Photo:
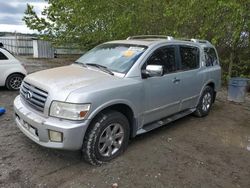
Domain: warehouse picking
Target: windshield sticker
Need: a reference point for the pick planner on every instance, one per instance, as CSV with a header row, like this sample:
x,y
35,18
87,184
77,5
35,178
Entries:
x,y
128,53
136,49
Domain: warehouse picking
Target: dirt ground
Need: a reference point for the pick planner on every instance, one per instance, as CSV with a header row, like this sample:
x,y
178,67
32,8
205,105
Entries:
x,y
192,152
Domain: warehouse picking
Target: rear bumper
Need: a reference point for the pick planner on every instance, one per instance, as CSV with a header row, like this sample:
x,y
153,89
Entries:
x,y
36,127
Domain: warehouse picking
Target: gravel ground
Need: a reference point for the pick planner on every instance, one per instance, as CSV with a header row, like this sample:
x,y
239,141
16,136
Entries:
x,y
192,152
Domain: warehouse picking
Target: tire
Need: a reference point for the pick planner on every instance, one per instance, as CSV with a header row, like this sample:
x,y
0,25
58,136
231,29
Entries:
x,y
205,102
101,136
14,81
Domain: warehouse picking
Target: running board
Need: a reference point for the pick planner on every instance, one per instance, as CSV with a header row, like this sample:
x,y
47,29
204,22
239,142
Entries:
x,y
164,121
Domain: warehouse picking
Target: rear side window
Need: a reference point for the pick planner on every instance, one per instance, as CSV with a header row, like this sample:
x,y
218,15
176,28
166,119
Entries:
x,y
210,57
2,56
189,57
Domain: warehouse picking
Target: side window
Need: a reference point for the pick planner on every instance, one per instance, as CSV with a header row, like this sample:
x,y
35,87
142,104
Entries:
x,y
2,56
156,58
210,57
165,57
169,59
189,57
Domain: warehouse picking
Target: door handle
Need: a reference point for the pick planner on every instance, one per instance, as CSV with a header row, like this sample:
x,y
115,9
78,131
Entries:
x,y
176,80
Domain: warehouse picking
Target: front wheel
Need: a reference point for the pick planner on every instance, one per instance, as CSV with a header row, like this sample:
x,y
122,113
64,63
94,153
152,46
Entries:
x,y
205,102
106,138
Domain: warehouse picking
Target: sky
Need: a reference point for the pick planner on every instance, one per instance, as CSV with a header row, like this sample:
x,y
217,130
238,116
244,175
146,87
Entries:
x,y
12,12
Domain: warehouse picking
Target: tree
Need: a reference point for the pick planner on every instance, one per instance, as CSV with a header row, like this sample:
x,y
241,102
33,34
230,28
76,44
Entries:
x,y
86,23
225,23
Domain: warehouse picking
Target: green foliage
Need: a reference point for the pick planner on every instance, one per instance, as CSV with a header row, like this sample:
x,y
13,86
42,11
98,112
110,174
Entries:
x,y
225,23
87,23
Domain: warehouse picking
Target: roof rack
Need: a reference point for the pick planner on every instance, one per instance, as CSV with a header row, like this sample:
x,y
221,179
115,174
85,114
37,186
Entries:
x,y
168,38
150,37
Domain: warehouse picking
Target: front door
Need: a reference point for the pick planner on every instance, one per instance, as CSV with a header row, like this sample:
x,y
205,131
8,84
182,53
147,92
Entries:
x,y
161,93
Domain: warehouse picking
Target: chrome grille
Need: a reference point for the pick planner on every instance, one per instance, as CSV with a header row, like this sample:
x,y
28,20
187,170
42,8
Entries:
x,y
33,96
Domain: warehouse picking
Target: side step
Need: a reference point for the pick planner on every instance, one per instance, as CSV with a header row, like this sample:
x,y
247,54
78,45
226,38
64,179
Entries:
x,y
164,121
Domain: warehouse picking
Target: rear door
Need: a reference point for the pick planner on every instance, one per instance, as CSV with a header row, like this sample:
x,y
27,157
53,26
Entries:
x,y
191,76
213,68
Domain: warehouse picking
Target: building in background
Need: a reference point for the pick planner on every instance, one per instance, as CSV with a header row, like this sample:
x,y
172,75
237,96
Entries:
x,y
43,49
20,44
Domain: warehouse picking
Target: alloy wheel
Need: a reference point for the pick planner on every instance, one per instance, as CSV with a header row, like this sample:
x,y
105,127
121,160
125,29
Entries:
x,y
111,140
206,102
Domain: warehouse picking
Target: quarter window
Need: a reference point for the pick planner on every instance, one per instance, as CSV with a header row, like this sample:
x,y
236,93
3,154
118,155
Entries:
x,y
2,56
210,57
189,57
166,58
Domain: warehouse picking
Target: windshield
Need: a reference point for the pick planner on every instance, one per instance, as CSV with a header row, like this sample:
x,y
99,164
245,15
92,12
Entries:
x,y
116,57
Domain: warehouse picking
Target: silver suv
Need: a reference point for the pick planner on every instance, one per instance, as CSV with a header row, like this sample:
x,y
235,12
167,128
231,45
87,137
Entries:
x,y
116,91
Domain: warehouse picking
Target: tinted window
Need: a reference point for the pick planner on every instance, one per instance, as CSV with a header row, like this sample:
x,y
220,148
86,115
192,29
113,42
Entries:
x,y
2,56
189,57
210,57
165,57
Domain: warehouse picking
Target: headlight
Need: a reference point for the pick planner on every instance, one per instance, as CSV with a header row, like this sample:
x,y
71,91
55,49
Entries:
x,y
68,110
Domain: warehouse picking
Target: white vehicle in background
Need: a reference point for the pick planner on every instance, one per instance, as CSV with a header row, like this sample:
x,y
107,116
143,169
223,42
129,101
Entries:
x,y
12,71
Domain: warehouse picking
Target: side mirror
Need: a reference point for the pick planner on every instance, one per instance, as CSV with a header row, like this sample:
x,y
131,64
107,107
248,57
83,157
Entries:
x,y
153,71
1,45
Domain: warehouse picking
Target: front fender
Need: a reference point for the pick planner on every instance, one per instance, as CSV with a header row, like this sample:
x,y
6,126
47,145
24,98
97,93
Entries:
x,y
110,103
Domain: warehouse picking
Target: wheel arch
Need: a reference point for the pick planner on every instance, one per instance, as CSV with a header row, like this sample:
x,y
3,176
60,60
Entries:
x,y
19,73
211,84
123,108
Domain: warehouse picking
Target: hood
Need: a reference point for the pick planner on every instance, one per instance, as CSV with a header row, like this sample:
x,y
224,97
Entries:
x,y
60,82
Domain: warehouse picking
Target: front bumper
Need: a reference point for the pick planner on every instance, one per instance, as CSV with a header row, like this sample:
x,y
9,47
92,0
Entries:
x,y
36,128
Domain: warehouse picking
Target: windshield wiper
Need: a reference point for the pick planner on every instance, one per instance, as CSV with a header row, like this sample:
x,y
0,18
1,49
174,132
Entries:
x,y
78,63
101,67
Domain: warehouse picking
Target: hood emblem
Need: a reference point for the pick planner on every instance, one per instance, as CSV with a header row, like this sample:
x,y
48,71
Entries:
x,y
28,95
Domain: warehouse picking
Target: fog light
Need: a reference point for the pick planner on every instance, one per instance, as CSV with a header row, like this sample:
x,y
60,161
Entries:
x,y
55,136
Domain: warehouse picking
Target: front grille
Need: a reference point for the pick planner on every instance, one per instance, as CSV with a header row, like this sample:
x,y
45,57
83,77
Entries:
x,y
33,96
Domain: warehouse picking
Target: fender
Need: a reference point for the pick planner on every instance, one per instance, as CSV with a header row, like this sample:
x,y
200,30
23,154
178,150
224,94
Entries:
x,y
108,104
12,70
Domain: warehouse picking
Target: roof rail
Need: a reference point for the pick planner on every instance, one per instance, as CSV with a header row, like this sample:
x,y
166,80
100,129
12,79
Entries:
x,y
150,37
194,40
200,41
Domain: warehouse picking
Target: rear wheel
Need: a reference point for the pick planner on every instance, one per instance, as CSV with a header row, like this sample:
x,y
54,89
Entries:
x,y
14,81
107,138
205,102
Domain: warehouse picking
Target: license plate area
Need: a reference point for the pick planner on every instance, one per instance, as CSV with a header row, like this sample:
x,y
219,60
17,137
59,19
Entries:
x,y
28,127
33,130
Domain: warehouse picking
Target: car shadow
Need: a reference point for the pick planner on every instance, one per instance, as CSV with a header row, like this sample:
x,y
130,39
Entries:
x,y
3,88
76,156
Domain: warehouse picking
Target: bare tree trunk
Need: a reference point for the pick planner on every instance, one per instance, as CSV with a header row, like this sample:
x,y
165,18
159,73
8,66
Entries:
x,y
231,61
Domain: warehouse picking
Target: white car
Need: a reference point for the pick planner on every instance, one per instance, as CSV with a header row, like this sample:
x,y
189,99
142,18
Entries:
x,y
12,71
